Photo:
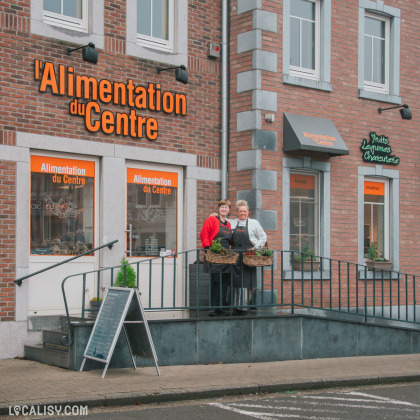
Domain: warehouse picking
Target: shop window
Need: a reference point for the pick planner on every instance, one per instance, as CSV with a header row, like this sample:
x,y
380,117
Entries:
x,y
307,43
155,23
71,14
62,206
376,60
376,216
304,211
379,51
151,212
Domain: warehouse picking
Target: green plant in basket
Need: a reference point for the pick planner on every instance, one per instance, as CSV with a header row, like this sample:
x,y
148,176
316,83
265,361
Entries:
x,y
261,251
217,248
130,275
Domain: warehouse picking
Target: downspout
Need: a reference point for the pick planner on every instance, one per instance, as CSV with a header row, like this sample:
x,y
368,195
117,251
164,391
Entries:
x,y
224,104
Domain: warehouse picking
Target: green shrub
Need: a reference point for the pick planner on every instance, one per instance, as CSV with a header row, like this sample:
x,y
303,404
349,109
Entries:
x,y
130,275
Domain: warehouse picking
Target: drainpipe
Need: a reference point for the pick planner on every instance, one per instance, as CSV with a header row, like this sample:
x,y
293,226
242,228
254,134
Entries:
x,y
224,110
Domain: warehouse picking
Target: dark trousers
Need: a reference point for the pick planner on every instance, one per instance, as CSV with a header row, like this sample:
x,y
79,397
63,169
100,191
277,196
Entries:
x,y
219,281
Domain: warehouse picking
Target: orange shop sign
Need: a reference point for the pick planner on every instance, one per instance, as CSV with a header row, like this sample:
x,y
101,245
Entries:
x,y
306,182
89,96
157,182
374,188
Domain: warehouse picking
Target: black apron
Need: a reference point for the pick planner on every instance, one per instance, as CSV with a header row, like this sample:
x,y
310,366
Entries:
x,y
241,242
225,235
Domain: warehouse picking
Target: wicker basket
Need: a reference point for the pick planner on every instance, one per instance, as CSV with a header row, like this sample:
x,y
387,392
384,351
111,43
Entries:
x,y
213,258
258,260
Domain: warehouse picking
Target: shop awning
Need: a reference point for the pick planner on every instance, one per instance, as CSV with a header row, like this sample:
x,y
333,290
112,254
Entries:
x,y
301,132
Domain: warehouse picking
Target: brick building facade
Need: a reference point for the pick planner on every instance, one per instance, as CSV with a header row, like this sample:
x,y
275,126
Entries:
x,y
37,122
272,96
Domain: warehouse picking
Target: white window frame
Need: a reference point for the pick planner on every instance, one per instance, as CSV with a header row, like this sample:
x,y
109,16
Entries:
x,y
159,43
68,22
302,71
386,210
323,81
379,9
373,86
178,54
95,32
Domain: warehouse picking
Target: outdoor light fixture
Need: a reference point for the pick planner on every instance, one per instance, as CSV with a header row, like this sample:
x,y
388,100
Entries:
x,y
405,111
181,74
89,53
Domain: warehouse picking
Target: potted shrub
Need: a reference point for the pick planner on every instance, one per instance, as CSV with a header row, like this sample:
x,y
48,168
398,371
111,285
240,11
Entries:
x,y
306,255
375,261
130,275
94,304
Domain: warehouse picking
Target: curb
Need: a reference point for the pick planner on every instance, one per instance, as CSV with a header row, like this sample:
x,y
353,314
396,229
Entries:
x,y
184,395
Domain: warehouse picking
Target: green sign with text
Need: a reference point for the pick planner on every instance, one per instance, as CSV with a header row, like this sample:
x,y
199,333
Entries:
x,y
378,150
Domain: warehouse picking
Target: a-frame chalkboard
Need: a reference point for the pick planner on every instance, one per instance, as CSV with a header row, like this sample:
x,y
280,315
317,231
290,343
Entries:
x,y
120,309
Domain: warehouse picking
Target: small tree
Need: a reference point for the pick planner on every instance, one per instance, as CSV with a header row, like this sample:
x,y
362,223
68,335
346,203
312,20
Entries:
x,y
130,275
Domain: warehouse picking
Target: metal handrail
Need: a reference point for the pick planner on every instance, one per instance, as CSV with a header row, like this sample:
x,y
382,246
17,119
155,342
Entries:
x,y
333,286
20,279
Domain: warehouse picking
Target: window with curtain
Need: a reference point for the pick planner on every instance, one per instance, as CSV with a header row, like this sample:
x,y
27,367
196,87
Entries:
x,y
376,216
304,211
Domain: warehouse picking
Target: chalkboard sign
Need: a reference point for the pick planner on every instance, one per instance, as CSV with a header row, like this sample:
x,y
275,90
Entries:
x,y
120,309
104,334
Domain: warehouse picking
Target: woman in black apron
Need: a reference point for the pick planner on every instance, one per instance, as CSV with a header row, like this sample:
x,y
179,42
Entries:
x,y
244,277
247,234
218,228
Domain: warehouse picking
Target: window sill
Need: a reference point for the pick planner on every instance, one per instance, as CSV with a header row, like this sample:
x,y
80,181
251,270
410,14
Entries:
x,y
377,96
308,83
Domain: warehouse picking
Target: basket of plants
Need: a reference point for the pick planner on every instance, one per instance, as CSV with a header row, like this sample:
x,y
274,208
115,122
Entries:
x,y
217,254
258,257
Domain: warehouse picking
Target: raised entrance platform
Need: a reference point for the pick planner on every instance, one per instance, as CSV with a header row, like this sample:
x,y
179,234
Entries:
x,y
244,339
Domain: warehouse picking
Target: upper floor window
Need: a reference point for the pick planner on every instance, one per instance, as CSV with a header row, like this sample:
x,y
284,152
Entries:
x,y
379,52
376,54
304,38
155,23
307,43
70,14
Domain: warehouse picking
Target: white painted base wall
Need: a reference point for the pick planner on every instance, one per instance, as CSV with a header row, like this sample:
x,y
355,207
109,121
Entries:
x,y
14,335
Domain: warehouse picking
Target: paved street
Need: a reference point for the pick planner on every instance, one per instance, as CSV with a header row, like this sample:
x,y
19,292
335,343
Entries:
x,y
396,402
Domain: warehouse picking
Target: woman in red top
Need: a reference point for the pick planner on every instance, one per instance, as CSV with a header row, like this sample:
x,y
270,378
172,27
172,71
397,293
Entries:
x,y
215,228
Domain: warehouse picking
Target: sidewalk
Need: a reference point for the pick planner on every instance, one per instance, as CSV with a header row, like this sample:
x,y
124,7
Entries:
x,y
31,383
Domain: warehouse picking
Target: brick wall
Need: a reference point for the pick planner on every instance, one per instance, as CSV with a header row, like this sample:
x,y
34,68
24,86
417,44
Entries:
x,y
354,118
7,239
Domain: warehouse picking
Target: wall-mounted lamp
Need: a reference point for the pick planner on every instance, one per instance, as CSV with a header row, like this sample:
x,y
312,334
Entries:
x,y
405,111
181,74
89,53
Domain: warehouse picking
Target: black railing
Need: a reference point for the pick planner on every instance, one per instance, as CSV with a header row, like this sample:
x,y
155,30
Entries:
x,y
20,279
179,283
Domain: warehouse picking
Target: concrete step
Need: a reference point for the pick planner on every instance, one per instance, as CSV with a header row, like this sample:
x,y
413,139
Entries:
x,y
48,355
54,338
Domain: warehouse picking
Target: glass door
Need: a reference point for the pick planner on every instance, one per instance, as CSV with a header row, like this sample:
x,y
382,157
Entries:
x,y
154,230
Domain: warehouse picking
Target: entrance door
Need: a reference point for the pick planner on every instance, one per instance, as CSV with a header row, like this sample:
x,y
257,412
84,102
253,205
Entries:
x,y
154,229
62,224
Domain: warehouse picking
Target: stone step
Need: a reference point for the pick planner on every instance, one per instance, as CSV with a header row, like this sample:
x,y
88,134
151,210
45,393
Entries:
x,y
54,338
48,355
